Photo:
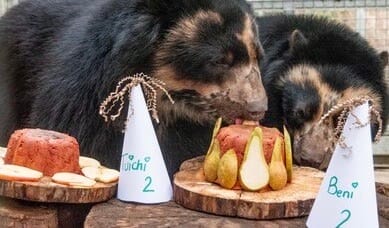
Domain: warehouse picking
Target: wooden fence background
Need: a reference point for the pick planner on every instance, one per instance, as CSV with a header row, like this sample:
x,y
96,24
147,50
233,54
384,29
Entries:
x,y
368,17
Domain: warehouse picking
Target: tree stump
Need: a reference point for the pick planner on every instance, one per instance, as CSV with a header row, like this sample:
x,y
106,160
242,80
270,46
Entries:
x,y
20,213
382,181
14,213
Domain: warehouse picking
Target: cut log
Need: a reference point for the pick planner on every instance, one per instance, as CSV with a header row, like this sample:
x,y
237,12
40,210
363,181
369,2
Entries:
x,y
47,191
19,213
382,181
16,214
192,191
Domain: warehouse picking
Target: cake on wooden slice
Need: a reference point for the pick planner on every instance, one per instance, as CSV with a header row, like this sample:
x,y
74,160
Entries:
x,y
43,150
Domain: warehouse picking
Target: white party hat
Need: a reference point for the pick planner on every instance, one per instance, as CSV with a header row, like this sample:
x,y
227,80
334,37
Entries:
x,y
347,196
143,174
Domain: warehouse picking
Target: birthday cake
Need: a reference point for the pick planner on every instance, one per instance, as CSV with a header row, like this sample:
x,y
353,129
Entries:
x,y
34,153
46,151
249,157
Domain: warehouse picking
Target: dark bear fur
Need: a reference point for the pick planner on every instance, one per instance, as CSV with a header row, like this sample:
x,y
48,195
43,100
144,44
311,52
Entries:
x,y
311,64
59,59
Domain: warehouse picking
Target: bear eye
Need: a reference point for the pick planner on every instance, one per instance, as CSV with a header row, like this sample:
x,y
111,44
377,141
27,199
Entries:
x,y
226,61
221,62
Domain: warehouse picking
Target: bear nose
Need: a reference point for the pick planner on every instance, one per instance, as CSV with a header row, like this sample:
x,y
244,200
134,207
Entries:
x,y
256,109
257,106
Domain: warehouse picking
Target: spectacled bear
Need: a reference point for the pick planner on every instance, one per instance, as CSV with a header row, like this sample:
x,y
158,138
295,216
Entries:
x,y
59,60
311,64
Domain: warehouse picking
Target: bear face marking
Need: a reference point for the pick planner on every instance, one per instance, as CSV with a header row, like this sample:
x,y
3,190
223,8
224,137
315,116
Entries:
x,y
215,59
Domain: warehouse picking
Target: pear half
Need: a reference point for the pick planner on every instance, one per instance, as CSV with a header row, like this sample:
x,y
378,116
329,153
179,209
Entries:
x,y
254,171
211,162
288,155
214,134
277,170
227,171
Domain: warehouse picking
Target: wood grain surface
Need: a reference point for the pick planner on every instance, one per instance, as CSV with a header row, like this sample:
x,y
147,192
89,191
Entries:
x,y
115,213
47,191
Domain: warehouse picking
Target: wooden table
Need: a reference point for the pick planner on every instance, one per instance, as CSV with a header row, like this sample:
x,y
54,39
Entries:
x,y
18,213
115,213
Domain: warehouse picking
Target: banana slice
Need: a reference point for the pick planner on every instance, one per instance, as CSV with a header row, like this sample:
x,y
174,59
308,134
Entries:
x,y
104,175
72,179
3,151
88,162
19,173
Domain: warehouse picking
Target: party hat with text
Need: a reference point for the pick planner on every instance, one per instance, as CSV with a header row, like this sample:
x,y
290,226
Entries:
x,y
347,196
143,174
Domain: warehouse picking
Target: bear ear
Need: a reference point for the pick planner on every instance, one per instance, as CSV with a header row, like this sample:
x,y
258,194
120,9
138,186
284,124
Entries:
x,y
384,57
297,38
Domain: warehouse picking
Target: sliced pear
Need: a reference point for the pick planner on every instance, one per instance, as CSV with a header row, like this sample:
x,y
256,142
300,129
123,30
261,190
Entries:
x,y
211,162
3,151
91,172
214,133
108,175
19,173
101,174
254,171
288,155
277,170
72,179
227,171
88,162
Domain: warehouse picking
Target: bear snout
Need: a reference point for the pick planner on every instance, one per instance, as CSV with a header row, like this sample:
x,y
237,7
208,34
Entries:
x,y
256,109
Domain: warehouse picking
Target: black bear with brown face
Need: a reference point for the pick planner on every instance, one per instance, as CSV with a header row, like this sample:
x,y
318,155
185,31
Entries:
x,y
312,64
59,59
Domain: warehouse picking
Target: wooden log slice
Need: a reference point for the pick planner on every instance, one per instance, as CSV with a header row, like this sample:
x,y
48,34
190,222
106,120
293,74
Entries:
x,y
192,191
47,191
15,214
382,181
